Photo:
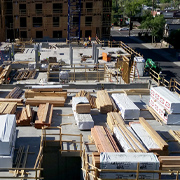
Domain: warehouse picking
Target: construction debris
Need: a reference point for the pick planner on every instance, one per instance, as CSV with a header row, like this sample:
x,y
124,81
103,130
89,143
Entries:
x,y
8,107
24,118
15,93
103,102
44,115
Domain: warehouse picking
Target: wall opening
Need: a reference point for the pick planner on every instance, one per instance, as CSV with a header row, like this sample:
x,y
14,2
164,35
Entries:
x,y
22,8
23,34
55,21
38,8
39,34
23,22
89,6
57,8
88,20
37,21
57,34
88,33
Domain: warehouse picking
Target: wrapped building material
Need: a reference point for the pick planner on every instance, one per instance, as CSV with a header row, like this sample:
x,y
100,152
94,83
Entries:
x,y
127,108
128,161
84,121
81,105
166,98
140,62
162,112
7,133
144,136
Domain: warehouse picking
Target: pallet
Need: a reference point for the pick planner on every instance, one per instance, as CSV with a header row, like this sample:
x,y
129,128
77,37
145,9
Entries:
x,y
25,74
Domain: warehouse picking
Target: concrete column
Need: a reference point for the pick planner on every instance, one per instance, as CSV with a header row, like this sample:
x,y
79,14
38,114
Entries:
x,y
10,57
71,55
97,55
12,53
95,49
93,46
36,53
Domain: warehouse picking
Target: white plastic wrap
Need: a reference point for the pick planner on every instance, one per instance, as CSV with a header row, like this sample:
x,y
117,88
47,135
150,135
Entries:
x,y
140,62
127,108
84,121
47,87
166,98
7,133
144,136
167,118
128,161
78,100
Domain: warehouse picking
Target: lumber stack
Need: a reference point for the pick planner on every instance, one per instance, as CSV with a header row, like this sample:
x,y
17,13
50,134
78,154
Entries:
x,y
11,100
103,102
25,74
169,162
165,104
44,115
31,94
8,107
24,117
114,118
103,139
15,93
175,134
37,100
4,73
91,99
150,138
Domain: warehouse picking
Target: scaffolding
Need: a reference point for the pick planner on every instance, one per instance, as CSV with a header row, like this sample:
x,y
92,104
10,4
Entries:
x,y
74,17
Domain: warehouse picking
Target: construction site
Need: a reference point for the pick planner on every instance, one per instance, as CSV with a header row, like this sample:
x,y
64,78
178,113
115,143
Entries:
x,y
72,111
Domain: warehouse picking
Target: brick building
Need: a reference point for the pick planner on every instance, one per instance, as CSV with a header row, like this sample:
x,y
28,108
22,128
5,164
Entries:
x,y
49,19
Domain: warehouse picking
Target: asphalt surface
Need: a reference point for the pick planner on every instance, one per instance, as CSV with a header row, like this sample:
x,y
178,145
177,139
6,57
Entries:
x,y
164,56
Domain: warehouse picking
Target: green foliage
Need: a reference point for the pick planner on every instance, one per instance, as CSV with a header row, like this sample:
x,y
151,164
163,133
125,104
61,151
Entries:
x,y
173,39
165,1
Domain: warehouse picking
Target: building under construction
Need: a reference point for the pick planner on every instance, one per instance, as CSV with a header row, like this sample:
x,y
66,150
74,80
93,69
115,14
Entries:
x,y
48,19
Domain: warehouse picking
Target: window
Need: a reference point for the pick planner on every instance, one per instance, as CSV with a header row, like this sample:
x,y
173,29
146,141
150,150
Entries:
x,y
23,34
89,6
57,8
88,21
37,21
39,34
22,8
23,22
38,8
57,34
55,21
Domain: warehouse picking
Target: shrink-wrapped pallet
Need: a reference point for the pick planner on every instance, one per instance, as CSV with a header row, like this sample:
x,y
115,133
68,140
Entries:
x,y
128,161
84,121
81,105
161,111
7,133
166,98
127,108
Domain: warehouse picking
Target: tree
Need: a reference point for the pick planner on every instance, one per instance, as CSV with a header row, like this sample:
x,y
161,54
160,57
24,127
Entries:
x,y
173,39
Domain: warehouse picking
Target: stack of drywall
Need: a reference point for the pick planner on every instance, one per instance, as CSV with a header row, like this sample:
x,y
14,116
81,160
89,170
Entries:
x,y
165,104
81,105
7,139
103,102
84,121
128,161
127,108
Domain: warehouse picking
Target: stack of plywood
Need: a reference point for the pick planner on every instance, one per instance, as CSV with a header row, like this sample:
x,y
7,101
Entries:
x,y
44,115
165,104
81,105
91,99
4,73
103,102
103,139
8,107
24,117
150,138
114,118
37,100
15,93
169,162
127,108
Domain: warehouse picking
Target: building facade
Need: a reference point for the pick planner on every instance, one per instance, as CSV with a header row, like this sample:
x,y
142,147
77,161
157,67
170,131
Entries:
x,y
49,19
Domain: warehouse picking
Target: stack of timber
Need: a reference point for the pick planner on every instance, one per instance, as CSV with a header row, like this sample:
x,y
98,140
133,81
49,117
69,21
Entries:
x,y
127,108
150,138
103,102
4,73
37,100
103,139
8,107
44,115
24,118
165,104
114,118
169,162
80,105
15,93
127,139
24,74
91,99
175,134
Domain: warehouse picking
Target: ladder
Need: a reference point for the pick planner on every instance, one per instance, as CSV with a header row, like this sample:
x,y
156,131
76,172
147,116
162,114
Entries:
x,y
134,71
